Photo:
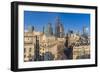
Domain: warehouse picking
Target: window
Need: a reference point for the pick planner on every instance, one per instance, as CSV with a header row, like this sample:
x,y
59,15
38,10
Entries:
x,y
24,50
24,56
30,55
30,49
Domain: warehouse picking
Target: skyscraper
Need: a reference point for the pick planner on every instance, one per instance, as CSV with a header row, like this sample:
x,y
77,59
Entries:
x,y
30,28
59,29
84,30
48,30
43,29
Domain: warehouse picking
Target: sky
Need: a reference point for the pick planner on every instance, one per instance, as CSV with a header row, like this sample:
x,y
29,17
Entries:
x,y
70,21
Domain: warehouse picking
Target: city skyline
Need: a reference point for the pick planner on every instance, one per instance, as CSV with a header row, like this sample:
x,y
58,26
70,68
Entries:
x,y
70,21
59,39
